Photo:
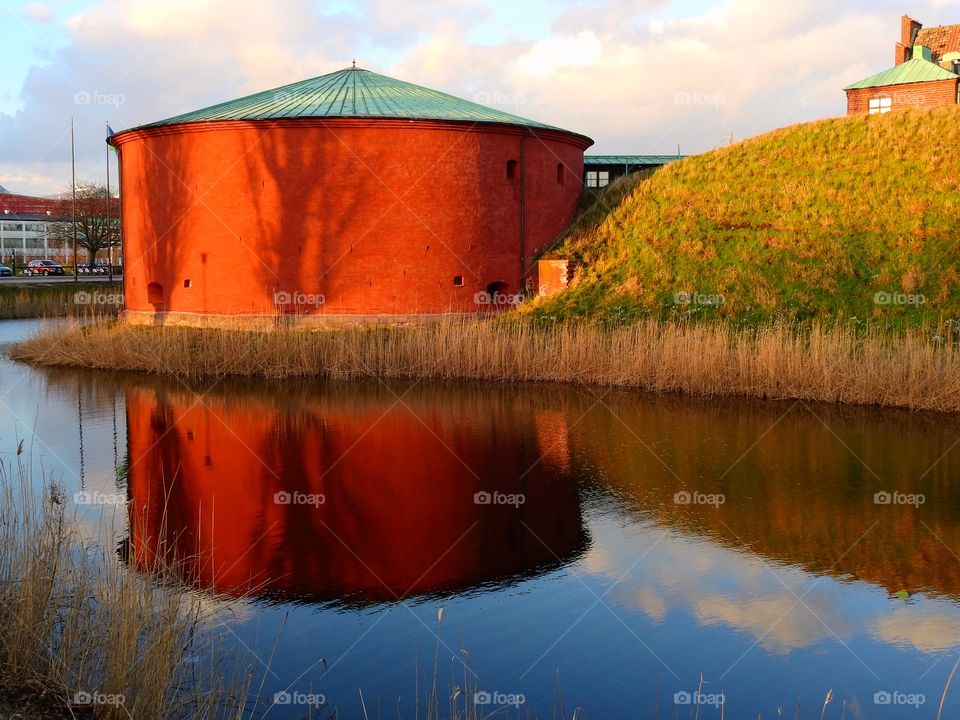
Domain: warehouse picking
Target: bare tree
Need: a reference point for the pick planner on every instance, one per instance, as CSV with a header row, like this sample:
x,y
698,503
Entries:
x,y
98,221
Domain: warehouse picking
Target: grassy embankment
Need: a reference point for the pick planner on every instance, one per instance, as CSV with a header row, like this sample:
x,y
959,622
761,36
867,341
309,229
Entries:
x,y
819,262
60,299
837,219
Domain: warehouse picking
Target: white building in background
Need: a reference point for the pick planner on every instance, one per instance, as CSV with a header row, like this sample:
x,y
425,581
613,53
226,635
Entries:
x,y
25,229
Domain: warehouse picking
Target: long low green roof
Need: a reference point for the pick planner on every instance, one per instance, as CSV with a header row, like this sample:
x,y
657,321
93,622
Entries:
x,y
630,159
912,71
351,93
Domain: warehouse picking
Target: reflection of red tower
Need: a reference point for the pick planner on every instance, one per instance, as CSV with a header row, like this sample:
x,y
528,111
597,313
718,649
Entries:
x,y
398,482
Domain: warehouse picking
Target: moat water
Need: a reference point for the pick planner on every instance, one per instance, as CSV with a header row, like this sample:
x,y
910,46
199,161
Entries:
x,y
609,546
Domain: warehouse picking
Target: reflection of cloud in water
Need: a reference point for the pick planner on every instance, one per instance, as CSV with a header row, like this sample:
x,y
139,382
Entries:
x,y
920,627
99,524
716,585
652,604
229,611
779,623
598,560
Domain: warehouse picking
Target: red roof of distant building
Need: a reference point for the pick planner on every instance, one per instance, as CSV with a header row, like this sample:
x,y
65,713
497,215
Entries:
x,y
27,205
941,39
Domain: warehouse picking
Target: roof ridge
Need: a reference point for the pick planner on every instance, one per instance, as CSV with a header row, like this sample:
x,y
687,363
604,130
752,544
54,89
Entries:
x,y
353,81
916,69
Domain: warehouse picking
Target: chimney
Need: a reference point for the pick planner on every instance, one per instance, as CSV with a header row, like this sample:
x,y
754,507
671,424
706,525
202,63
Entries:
x,y
908,30
900,54
908,33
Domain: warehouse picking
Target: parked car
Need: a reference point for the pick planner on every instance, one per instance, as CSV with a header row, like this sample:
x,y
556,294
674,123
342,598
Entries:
x,y
43,267
99,268
5,271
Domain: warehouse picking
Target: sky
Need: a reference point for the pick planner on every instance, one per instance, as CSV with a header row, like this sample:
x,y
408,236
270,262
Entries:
x,y
637,76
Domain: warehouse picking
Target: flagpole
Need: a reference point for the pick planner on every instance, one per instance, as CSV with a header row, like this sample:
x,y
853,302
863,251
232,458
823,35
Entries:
x,y
109,217
73,183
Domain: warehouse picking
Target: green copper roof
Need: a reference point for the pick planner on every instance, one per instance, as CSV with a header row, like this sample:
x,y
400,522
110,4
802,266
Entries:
x,y
916,70
630,159
351,93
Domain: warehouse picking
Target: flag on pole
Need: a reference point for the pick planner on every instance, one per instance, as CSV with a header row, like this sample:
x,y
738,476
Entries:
x,y
110,134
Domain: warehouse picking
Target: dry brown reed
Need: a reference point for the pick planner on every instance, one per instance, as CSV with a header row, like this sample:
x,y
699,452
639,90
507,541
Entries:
x,y
102,639
915,368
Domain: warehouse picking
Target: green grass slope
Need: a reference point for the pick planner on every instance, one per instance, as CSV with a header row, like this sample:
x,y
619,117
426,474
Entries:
x,y
852,217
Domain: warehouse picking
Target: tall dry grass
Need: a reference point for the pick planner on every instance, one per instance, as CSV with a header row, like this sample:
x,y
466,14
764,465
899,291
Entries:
x,y
77,626
916,368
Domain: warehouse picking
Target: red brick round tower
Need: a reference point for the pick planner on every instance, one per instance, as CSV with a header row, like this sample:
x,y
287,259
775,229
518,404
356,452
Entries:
x,y
351,194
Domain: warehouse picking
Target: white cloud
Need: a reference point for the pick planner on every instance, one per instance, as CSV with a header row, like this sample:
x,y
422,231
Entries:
x,y
561,54
134,62
38,12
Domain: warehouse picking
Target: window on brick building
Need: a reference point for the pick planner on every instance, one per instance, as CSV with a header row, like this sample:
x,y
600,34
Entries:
x,y
598,179
880,105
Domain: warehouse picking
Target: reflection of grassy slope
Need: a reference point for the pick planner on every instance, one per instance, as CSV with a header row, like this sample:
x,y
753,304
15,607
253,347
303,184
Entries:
x,y
807,221
798,485
59,299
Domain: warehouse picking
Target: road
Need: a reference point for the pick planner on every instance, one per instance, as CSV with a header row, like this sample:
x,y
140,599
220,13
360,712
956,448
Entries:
x,y
20,281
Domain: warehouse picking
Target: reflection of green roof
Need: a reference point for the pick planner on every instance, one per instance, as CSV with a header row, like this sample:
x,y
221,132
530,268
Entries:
x,y
351,93
630,159
912,71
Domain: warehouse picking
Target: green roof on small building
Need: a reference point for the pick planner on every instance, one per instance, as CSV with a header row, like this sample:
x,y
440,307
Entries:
x,y
352,93
912,71
630,159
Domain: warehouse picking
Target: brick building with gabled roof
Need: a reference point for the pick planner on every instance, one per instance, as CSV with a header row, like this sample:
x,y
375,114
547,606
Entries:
x,y
925,72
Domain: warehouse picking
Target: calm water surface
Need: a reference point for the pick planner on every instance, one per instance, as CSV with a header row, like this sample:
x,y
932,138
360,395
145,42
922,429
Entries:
x,y
609,544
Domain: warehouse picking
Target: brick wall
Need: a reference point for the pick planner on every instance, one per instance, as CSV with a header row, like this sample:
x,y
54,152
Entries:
x,y
553,276
900,54
908,30
381,216
911,95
